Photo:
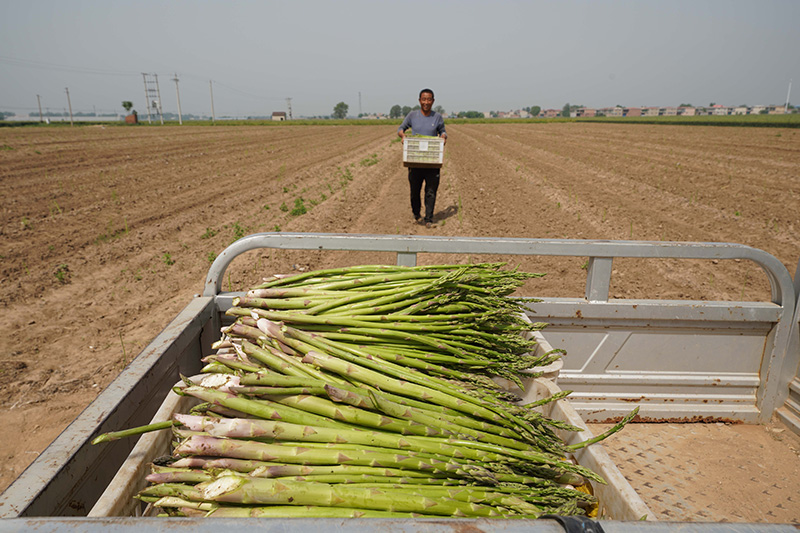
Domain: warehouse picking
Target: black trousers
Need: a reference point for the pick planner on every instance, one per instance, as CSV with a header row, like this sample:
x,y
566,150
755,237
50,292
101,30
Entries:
x,y
416,177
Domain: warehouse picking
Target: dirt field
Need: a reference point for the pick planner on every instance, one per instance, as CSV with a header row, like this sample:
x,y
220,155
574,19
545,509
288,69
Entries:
x,y
106,233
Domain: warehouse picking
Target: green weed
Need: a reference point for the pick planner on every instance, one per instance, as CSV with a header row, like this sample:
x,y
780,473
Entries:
x,y
211,256
369,161
239,231
299,207
209,233
168,260
62,273
284,207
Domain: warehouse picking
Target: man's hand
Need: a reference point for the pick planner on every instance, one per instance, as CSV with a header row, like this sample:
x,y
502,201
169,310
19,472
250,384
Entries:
x,y
402,136
443,136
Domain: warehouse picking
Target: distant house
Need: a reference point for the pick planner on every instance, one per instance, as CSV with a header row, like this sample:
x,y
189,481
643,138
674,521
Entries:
x,y
585,112
687,111
279,115
718,109
631,111
757,109
550,113
668,111
616,112
775,109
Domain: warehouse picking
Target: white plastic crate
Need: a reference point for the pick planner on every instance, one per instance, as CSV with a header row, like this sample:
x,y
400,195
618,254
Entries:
x,y
423,152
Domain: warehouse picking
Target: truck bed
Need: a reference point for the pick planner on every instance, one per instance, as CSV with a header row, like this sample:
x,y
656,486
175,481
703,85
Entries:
x,y
715,472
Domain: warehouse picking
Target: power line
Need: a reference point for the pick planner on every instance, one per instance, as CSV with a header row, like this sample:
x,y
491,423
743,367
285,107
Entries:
x,y
248,94
64,68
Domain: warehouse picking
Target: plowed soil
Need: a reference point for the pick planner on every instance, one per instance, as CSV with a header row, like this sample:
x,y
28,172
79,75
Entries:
x,y
106,233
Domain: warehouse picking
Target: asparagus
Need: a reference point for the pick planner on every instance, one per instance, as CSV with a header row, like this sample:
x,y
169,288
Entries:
x,y
365,392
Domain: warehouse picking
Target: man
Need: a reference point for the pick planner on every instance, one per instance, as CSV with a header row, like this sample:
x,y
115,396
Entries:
x,y
423,121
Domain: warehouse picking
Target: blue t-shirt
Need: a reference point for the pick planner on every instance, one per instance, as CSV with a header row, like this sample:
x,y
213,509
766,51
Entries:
x,y
432,125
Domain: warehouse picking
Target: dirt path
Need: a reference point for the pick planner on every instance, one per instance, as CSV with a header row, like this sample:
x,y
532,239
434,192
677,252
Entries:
x,y
107,232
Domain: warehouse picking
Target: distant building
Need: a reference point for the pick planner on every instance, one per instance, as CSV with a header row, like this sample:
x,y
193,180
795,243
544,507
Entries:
x,y
668,111
687,111
631,111
279,115
585,112
721,110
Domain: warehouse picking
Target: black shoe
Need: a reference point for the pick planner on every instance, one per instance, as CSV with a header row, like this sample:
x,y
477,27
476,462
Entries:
x,y
429,224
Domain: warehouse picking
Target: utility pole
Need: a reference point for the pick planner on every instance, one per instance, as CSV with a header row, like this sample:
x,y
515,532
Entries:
x,y
177,92
359,104
160,107
211,88
289,105
146,98
788,94
152,96
69,102
39,99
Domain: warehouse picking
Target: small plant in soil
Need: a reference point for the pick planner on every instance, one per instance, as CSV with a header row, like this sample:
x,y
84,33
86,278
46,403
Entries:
x,y
62,273
299,207
369,161
239,231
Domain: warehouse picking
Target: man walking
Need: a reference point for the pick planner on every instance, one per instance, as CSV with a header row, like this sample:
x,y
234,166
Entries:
x,y
423,121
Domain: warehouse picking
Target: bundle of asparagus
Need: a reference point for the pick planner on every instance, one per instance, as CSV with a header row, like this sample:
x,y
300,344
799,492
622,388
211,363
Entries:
x,y
368,391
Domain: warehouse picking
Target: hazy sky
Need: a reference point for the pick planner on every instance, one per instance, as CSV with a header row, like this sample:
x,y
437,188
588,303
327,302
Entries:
x,y
498,55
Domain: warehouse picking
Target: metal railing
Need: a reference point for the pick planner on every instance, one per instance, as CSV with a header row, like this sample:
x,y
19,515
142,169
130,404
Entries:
x,y
749,390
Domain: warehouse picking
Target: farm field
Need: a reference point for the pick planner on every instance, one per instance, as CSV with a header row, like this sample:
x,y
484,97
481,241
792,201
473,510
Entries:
x,y
106,233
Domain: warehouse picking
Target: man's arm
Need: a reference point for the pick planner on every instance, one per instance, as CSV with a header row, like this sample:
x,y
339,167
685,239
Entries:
x,y
401,131
440,129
